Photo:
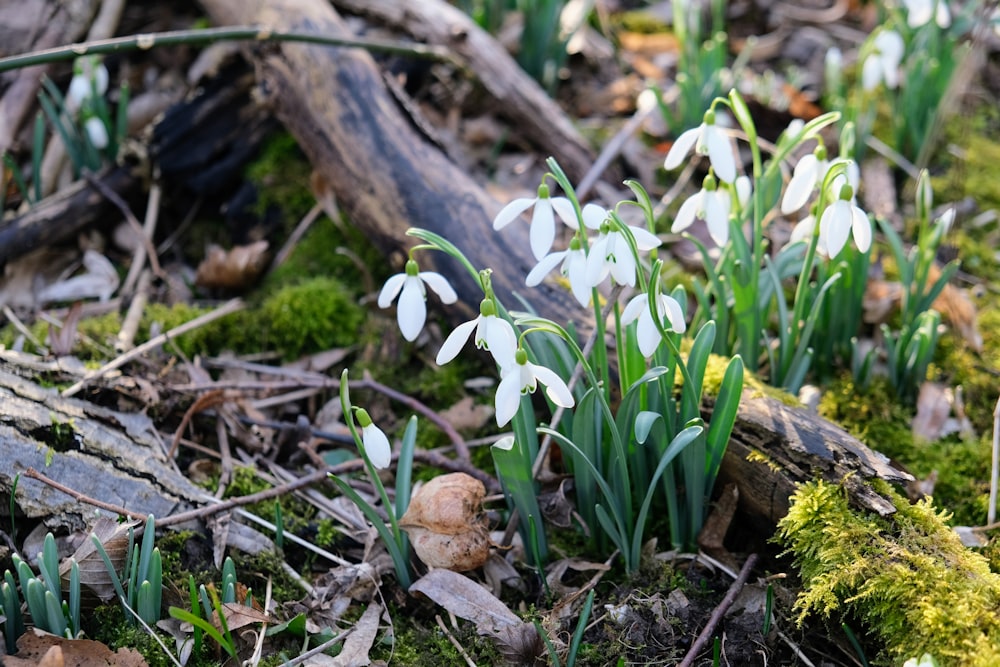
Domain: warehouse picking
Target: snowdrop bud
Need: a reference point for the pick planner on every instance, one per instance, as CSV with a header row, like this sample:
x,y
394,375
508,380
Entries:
x,y
376,444
96,131
833,67
925,195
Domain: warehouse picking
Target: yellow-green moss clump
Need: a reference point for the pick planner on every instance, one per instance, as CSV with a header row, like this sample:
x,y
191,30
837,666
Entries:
x,y
907,577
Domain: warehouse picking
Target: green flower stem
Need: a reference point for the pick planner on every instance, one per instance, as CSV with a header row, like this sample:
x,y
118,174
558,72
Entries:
x,y
143,42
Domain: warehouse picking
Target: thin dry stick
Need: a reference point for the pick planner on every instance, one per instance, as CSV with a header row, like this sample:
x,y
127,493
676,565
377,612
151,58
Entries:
x,y
133,221
991,513
719,612
296,236
227,308
145,247
454,642
133,316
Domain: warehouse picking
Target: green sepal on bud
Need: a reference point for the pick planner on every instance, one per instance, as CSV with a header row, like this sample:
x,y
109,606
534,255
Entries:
x,y
411,267
846,193
487,308
709,183
820,150
543,191
709,117
521,356
364,419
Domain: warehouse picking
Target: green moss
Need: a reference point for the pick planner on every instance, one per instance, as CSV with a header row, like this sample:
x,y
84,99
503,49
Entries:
x,y
281,173
906,576
875,417
107,624
413,644
254,571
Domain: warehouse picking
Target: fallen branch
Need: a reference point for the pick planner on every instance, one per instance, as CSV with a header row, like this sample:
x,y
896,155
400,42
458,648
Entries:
x,y
720,611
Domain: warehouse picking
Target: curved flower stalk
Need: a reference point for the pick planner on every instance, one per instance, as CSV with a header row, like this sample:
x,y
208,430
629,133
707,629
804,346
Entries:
x,y
411,287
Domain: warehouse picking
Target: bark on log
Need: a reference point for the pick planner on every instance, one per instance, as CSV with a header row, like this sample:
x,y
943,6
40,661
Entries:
x,y
61,216
384,173
111,456
520,99
775,446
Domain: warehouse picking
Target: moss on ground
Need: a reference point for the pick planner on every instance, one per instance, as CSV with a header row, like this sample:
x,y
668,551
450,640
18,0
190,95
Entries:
x,y
907,576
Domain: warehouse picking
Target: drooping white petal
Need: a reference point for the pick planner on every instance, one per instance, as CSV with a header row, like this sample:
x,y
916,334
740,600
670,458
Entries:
x,y
79,90
544,267
508,396
803,229
594,216
575,268
871,73
511,211
411,312
597,265
942,16
440,285
681,148
861,229
801,185
835,226
96,132
622,263
497,336
390,290
687,212
918,12
376,446
555,388
635,307
647,335
455,341
564,209
674,314
744,190
717,204
645,240
543,228
720,152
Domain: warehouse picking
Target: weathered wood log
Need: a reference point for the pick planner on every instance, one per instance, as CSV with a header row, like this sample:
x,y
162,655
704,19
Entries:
x,y
107,455
776,446
385,175
61,216
520,99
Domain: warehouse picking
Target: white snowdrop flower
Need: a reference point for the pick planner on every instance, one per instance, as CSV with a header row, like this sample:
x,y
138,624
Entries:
x,y
882,64
706,139
96,132
522,377
572,264
492,333
646,332
920,12
611,254
89,76
807,176
374,441
841,219
411,286
744,190
543,224
710,204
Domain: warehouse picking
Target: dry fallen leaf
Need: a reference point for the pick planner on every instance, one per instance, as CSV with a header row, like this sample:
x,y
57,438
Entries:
x,y
36,648
359,642
463,597
445,523
233,269
93,572
100,280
